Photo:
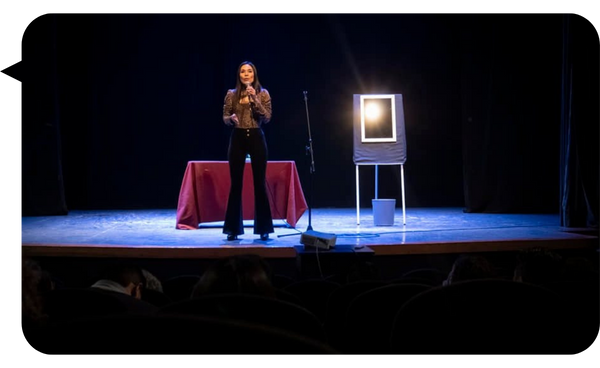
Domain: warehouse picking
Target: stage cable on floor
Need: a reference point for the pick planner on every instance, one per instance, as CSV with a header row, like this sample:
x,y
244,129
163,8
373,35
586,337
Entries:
x,y
357,235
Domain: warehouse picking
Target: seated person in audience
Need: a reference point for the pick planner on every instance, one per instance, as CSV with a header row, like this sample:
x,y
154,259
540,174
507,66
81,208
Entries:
x,y
125,281
363,271
538,266
580,269
32,289
122,278
247,274
152,282
469,267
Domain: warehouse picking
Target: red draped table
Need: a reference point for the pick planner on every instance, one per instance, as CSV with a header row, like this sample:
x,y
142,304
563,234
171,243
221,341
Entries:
x,y
205,190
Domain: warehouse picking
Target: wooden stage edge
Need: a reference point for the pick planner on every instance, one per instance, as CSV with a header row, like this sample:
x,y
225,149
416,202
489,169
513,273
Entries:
x,y
217,251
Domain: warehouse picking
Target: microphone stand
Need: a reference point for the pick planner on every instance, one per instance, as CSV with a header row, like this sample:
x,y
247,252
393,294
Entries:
x,y
309,151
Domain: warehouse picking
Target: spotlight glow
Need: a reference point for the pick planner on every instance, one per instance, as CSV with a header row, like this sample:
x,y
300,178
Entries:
x,y
377,117
372,112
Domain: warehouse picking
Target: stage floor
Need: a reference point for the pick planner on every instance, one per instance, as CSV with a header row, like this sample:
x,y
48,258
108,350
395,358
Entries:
x,y
152,234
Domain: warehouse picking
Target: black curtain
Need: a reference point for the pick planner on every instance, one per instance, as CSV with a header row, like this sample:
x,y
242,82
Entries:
x,y
579,124
510,89
120,103
42,176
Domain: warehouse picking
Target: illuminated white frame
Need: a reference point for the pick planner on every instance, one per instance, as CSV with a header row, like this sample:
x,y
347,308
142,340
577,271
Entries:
x,y
392,98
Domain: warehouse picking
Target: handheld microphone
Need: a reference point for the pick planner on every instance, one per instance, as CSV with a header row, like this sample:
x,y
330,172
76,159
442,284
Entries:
x,y
251,98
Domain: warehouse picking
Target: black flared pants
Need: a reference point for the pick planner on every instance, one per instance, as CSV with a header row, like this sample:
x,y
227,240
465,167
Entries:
x,y
242,142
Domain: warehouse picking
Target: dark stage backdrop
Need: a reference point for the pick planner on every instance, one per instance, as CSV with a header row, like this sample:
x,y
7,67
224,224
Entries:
x,y
120,103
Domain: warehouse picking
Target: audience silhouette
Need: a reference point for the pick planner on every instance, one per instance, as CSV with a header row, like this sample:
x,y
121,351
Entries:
x,y
470,267
34,285
246,274
240,290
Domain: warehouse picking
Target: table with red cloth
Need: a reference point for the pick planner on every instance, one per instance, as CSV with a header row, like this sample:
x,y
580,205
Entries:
x,y
205,190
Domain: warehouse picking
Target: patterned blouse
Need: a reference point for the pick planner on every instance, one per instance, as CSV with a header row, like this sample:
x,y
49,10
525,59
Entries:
x,y
249,115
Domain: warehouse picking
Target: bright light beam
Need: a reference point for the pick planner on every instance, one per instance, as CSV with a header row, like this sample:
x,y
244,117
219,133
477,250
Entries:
x,y
372,112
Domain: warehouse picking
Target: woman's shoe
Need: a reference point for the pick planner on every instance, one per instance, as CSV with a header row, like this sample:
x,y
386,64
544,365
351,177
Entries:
x,y
264,236
232,237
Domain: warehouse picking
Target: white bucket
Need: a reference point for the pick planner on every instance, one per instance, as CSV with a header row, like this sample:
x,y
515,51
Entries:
x,y
383,211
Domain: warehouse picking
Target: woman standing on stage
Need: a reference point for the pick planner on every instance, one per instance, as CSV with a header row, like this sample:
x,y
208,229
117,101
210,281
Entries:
x,y
247,108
